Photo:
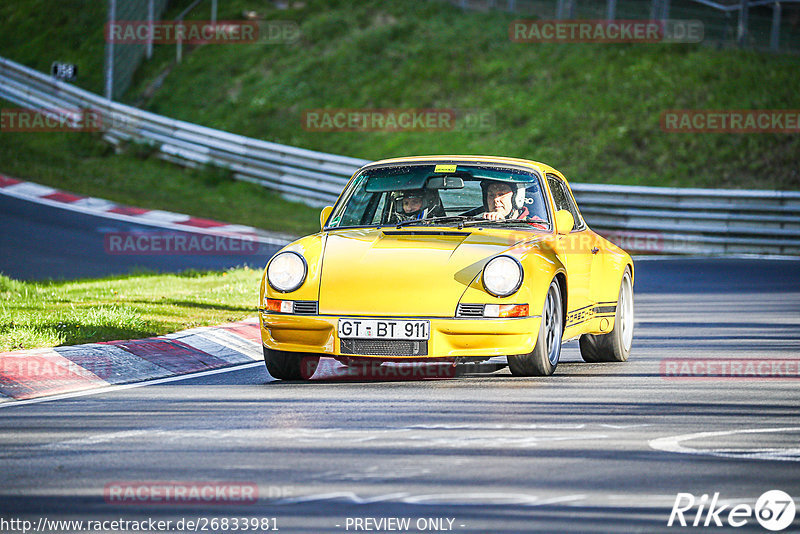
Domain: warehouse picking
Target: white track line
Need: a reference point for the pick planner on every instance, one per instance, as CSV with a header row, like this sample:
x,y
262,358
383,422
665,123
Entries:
x,y
673,444
110,389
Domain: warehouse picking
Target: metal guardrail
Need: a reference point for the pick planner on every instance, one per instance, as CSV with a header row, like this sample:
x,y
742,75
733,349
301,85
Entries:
x,y
693,221
298,172
640,219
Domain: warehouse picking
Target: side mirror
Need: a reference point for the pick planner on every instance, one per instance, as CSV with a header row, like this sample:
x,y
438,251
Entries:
x,y
323,217
564,222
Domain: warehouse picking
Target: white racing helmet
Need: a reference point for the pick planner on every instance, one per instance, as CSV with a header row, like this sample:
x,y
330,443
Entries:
x,y
518,188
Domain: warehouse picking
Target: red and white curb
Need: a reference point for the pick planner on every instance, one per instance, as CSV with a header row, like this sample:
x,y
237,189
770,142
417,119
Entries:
x,y
49,196
29,374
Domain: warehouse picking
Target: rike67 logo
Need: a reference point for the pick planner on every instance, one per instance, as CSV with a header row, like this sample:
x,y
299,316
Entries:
x,y
774,510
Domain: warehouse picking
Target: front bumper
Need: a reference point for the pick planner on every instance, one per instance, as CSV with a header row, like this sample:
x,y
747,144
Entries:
x,y
449,338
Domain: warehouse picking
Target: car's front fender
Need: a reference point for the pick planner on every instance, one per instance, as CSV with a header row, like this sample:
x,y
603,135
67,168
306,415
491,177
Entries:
x,y
540,265
311,248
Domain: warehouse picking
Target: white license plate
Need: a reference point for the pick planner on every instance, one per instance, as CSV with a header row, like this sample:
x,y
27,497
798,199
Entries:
x,y
384,329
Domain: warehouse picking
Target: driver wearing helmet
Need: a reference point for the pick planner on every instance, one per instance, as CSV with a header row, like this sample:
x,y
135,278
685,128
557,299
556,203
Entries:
x,y
417,204
503,200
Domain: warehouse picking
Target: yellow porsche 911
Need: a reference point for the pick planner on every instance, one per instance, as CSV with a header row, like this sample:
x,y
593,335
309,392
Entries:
x,y
448,258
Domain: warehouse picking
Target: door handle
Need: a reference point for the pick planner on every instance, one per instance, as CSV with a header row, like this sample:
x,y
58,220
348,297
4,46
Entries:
x,y
595,250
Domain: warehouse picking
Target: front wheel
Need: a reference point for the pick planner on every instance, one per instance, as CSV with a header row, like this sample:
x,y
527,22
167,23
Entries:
x,y
542,360
290,365
616,345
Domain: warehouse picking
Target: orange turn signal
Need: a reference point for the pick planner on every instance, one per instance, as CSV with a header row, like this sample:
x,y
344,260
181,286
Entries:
x,y
505,310
280,306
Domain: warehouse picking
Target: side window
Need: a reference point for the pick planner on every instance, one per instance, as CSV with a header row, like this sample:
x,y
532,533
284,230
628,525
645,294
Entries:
x,y
563,200
351,210
381,211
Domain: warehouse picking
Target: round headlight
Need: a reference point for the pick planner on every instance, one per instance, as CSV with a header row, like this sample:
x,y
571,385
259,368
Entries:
x,y
502,276
287,271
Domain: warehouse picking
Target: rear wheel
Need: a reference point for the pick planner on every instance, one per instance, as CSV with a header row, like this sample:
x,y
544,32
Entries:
x,y
616,345
290,365
542,360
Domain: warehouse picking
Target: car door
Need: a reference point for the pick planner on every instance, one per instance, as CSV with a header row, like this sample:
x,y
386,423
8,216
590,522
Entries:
x,y
577,247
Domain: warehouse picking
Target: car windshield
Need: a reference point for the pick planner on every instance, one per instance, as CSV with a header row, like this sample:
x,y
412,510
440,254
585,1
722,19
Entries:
x,y
443,194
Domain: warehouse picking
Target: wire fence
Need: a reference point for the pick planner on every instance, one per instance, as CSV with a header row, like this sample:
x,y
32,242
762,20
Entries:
x,y
763,25
122,60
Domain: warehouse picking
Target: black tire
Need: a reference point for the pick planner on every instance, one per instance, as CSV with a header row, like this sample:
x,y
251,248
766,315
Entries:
x,y
290,365
543,359
616,345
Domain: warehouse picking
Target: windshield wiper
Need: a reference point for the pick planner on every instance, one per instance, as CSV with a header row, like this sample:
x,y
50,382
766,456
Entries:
x,y
444,219
508,222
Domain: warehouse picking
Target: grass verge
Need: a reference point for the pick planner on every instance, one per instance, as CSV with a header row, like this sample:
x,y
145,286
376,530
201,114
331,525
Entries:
x,y
591,110
48,314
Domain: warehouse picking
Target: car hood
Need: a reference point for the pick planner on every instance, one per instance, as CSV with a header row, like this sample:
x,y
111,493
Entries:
x,y
405,272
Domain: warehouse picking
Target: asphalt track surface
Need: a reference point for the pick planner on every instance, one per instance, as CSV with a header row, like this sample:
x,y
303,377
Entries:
x,y
39,242
595,447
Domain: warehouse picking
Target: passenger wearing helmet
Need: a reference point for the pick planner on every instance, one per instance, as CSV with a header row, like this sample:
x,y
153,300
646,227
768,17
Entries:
x,y
417,204
503,200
